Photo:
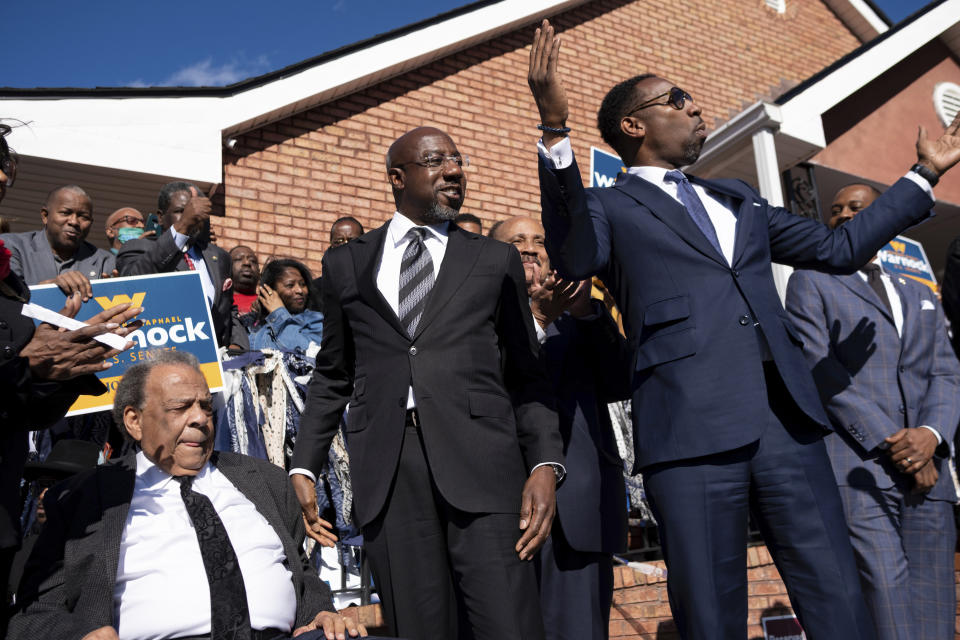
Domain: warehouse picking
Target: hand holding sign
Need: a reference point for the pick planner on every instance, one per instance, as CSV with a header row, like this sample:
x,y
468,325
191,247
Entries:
x,y
56,354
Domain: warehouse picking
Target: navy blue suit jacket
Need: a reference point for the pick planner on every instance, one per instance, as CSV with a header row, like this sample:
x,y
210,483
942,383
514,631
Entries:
x,y
874,382
699,385
588,363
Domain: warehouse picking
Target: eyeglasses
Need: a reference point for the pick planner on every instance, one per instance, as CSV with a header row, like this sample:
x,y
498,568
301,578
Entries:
x,y
676,98
437,161
130,220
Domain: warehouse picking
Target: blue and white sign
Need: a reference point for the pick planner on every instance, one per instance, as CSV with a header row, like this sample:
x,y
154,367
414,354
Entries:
x,y
604,168
175,316
906,258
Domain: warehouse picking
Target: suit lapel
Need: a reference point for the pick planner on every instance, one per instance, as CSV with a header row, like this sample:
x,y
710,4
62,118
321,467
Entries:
x,y
669,211
458,260
856,284
366,251
116,484
212,260
248,482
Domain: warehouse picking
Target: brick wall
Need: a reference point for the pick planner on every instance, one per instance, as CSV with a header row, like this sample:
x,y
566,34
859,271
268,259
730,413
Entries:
x,y
641,608
288,181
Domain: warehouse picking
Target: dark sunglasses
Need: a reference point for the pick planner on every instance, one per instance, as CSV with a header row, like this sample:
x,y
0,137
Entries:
x,y
676,98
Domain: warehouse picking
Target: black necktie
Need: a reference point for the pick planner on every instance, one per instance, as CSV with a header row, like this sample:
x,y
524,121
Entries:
x,y
416,280
876,283
229,615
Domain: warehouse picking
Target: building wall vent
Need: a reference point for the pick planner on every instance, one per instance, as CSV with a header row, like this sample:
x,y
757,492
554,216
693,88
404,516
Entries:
x,y
946,101
780,6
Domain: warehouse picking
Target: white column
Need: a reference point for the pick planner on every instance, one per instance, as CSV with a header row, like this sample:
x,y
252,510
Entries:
x,y
768,177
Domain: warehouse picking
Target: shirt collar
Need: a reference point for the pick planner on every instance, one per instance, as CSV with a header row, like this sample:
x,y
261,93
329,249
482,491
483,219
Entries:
x,y
655,175
150,476
401,224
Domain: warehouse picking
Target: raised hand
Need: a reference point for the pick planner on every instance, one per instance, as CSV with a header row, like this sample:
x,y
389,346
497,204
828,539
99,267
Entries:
x,y
545,83
55,354
195,215
942,153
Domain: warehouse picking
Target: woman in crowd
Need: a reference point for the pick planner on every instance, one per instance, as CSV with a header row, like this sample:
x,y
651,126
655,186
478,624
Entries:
x,y
283,296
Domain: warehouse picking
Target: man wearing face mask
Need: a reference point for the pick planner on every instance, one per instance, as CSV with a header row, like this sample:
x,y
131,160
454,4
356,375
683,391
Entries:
x,y
184,245
124,225
59,253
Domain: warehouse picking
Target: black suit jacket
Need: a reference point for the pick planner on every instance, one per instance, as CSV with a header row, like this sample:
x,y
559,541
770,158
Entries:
x,y
484,402
161,254
590,364
67,587
25,404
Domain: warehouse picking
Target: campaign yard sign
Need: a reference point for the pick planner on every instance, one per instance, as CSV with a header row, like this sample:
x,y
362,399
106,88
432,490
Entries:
x,y
175,317
604,168
906,258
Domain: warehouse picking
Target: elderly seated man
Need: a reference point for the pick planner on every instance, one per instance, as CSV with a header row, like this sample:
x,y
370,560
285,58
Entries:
x,y
176,541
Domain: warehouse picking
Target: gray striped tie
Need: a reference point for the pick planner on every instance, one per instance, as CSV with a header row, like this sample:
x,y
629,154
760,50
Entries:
x,y
416,280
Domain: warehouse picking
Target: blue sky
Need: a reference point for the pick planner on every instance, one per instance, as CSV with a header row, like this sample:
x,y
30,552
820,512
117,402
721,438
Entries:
x,y
61,43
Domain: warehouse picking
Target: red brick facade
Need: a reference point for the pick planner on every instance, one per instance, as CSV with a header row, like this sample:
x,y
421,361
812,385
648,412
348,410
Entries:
x,y
288,181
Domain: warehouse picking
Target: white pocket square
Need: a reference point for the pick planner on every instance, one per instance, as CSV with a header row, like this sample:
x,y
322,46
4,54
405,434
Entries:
x,y
926,305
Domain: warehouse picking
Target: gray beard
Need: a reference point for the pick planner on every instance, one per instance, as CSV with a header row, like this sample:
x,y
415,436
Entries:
x,y
438,213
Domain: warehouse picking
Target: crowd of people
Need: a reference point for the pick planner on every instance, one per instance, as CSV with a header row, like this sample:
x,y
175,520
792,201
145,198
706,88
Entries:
x,y
470,376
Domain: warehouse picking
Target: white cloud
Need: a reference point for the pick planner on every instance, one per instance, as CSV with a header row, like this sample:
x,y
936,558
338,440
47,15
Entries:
x,y
205,73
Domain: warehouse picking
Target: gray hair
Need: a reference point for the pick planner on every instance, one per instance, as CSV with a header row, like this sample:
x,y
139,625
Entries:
x,y
131,392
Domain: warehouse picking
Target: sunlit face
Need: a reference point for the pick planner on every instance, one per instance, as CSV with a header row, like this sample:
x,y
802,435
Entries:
x,y
67,219
175,426
527,235
672,137
433,194
292,289
848,202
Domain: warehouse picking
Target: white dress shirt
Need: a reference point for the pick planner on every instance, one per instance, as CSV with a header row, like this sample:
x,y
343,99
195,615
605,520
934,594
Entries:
x,y
181,240
896,310
162,590
388,269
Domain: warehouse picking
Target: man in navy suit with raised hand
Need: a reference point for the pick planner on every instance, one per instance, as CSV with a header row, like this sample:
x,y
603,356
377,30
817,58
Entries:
x,y
728,420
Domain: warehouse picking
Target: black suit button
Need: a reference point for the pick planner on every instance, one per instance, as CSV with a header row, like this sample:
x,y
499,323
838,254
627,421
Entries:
x,y
3,324
413,351
736,274
901,409
8,352
902,368
744,320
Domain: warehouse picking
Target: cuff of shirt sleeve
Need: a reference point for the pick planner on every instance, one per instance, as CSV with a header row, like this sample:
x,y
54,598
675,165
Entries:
x,y
303,472
179,239
560,155
935,432
558,469
921,182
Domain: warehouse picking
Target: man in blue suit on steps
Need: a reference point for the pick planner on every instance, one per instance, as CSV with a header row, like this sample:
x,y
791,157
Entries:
x,y
890,382
727,416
